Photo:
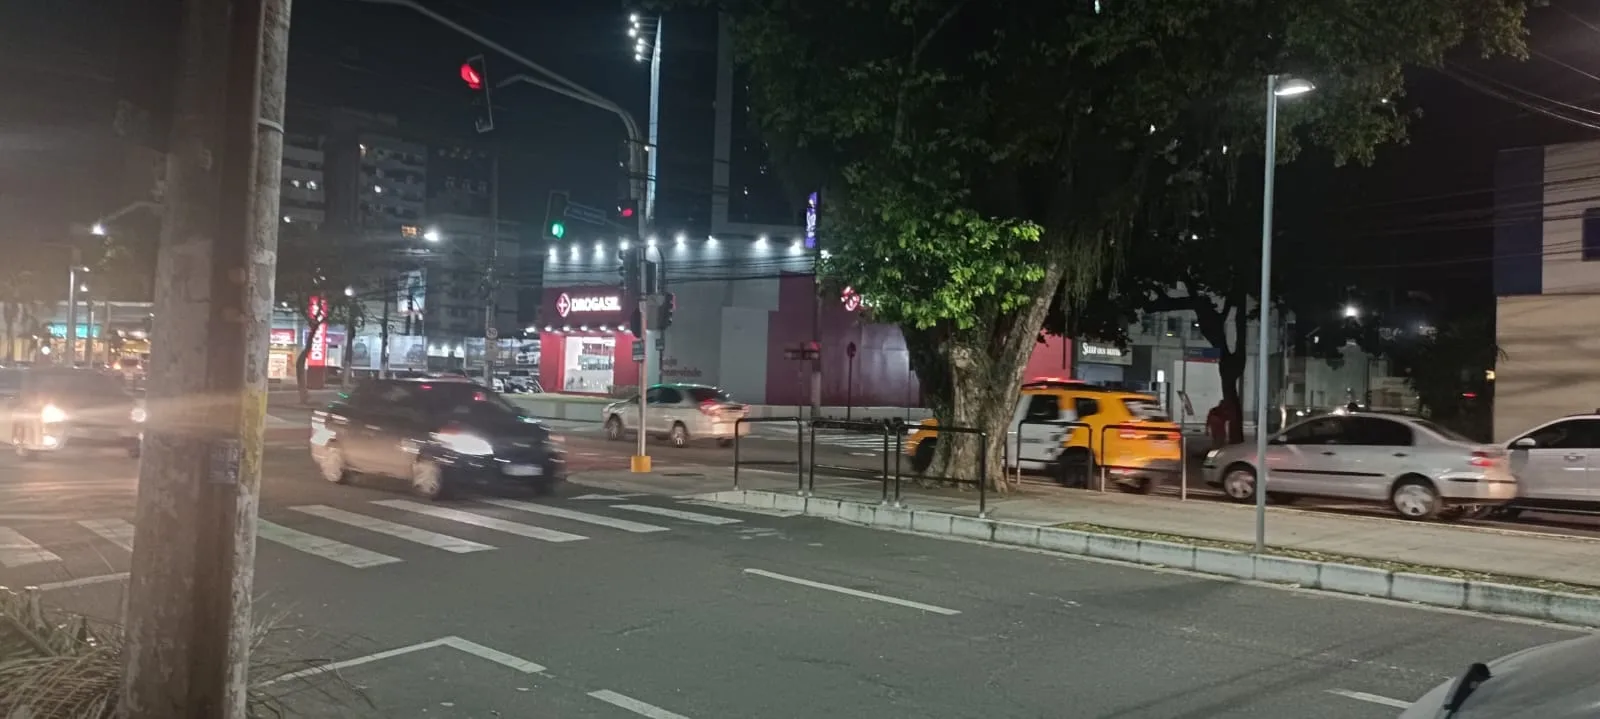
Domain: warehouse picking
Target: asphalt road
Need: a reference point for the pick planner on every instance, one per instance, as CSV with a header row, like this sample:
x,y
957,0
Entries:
x,y
603,604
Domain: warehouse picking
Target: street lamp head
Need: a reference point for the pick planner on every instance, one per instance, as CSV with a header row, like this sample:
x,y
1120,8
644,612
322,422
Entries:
x,y
1351,311
349,292
1291,86
98,230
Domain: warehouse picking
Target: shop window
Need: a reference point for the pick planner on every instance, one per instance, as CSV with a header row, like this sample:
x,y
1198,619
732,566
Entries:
x,y
589,364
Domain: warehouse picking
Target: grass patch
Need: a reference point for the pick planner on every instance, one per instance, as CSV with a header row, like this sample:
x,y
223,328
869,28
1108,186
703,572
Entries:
x,y
1383,564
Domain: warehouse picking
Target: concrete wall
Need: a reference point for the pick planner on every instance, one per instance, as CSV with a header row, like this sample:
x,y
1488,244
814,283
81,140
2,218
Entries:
x,y
1549,368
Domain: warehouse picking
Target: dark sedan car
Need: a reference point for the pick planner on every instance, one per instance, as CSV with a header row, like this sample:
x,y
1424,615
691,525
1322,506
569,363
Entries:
x,y
438,434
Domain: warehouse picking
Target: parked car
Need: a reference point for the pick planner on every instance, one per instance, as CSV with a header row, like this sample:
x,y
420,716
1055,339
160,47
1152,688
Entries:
x,y
682,413
1552,681
1072,429
1419,468
1557,465
51,410
439,434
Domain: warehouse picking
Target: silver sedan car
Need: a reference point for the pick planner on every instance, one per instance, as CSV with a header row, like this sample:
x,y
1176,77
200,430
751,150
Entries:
x,y
1420,469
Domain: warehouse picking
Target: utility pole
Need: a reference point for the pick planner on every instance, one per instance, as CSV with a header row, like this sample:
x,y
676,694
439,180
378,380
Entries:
x,y
491,330
383,329
188,627
72,307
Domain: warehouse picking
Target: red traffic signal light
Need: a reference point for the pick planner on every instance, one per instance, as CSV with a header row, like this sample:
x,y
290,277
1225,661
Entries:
x,y
471,76
625,211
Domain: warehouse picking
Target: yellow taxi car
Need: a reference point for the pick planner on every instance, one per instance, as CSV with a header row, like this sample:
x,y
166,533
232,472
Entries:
x,y
1074,430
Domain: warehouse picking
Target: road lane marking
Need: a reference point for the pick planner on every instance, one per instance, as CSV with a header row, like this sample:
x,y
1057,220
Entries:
x,y
82,581
478,520
738,508
394,529
456,643
677,514
329,549
609,497
624,701
19,551
852,592
1370,698
622,524
115,531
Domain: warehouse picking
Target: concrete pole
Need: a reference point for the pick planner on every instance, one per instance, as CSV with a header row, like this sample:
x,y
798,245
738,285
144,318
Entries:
x,y
188,600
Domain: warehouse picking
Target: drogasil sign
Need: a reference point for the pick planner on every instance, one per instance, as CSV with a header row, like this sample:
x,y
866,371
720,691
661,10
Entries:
x,y
567,304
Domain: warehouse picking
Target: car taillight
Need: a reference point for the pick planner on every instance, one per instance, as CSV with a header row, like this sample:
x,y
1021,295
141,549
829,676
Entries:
x,y
1483,459
1131,434
709,406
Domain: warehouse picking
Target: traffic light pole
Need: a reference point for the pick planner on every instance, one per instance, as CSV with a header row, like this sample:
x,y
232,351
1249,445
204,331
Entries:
x,y
491,331
641,455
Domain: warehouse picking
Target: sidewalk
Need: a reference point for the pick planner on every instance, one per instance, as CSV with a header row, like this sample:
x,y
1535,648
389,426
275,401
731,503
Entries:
x,y
1570,560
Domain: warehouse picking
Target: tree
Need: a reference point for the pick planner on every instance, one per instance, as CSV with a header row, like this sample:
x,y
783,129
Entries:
x,y
977,155
21,303
314,265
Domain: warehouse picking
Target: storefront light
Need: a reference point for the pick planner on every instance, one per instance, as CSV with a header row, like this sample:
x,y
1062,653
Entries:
x,y
761,241
574,250
549,328
605,328
623,245
583,328
681,238
552,253
652,241
711,240
599,248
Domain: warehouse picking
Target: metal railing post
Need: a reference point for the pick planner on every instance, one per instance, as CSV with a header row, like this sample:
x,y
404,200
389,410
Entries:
x,y
885,478
800,456
736,427
983,474
1183,469
899,451
1099,457
811,472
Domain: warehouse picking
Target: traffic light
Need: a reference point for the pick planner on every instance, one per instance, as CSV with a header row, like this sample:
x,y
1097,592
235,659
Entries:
x,y
669,304
628,271
634,321
627,210
475,75
555,216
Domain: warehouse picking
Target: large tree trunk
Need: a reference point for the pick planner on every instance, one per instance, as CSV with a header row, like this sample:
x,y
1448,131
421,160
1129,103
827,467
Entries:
x,y
986,366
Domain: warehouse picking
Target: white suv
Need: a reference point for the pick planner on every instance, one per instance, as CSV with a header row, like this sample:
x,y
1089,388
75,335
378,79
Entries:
x,y
681,413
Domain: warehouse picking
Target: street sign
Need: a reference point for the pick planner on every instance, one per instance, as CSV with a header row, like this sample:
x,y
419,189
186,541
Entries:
x,y
638,351
492,333
587,214
661,344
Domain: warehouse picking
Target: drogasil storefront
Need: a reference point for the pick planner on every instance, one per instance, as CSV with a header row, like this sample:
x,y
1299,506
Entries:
x,y
584,345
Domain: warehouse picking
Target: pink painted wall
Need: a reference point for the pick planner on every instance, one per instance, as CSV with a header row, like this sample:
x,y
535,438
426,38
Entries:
x,y
882,373
1051,358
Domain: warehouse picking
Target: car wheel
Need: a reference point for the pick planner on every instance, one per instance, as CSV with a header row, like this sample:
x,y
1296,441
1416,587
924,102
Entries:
x,y
1074,468
922,458
613,428
333,467
1415,499
545,489
679,435
427,479
725,442
1239,483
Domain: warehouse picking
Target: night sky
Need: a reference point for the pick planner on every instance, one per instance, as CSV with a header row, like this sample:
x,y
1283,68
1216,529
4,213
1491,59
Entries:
x,y
1420,219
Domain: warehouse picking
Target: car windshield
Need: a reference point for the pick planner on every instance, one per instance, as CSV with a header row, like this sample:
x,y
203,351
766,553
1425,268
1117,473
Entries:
x,y
708,394
1443,431
1146,409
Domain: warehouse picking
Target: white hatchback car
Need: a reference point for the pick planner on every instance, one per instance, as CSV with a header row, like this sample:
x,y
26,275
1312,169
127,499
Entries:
x,y
681,413
1417,467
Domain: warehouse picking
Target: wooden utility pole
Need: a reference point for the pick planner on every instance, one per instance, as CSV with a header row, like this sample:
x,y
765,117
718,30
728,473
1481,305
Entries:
x,y
188,603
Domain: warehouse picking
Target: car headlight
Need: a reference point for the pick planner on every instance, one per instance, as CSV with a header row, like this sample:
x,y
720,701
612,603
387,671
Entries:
x,y
1213,453
137,415
52,414
469,444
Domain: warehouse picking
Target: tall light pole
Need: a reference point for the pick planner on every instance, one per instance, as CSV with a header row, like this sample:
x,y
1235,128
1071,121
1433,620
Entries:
x,y
1277,86
646,35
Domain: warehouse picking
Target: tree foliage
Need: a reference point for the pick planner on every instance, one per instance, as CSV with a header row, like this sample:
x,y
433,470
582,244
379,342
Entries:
x,y
977,154
313,265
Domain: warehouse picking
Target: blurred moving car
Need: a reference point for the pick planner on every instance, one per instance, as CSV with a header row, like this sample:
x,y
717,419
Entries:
x,y
439,434
1420,469
681,413
50,410
1073,430
1552,681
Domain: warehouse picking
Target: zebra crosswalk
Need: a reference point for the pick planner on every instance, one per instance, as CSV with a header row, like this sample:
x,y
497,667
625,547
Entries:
x,y
364,536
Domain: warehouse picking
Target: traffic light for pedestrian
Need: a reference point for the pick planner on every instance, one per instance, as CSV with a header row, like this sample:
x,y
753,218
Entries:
x,y
628,271
555,216
669,304
475,75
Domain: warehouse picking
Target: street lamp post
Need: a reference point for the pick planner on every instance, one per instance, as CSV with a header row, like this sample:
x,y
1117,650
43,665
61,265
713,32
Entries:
x,y
1277,86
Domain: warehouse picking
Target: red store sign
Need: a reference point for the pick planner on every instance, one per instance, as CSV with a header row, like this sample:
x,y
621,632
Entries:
x,y
318,308
584,306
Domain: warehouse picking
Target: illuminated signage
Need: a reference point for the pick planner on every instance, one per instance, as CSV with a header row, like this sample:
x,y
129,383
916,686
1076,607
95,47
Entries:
x,y
567,304
811,221
318,357
282,337
851,299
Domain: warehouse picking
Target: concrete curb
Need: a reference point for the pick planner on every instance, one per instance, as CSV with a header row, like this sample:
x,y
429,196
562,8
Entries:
x,y
1448,592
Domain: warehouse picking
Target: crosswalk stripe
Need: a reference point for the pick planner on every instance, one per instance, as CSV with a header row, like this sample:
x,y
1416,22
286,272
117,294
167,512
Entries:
x,y
763,511
19,551
332,550
393,529
478,520
115,531
622,524
677,514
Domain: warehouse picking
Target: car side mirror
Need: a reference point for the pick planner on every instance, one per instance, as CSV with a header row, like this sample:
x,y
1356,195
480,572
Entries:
x,y
1524,443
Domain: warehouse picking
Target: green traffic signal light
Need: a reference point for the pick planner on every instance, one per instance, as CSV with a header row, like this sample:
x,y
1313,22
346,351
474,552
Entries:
x,y
558,230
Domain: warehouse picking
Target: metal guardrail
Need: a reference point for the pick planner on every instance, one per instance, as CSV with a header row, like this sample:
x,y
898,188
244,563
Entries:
x,y
859,426
983,461
799,449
